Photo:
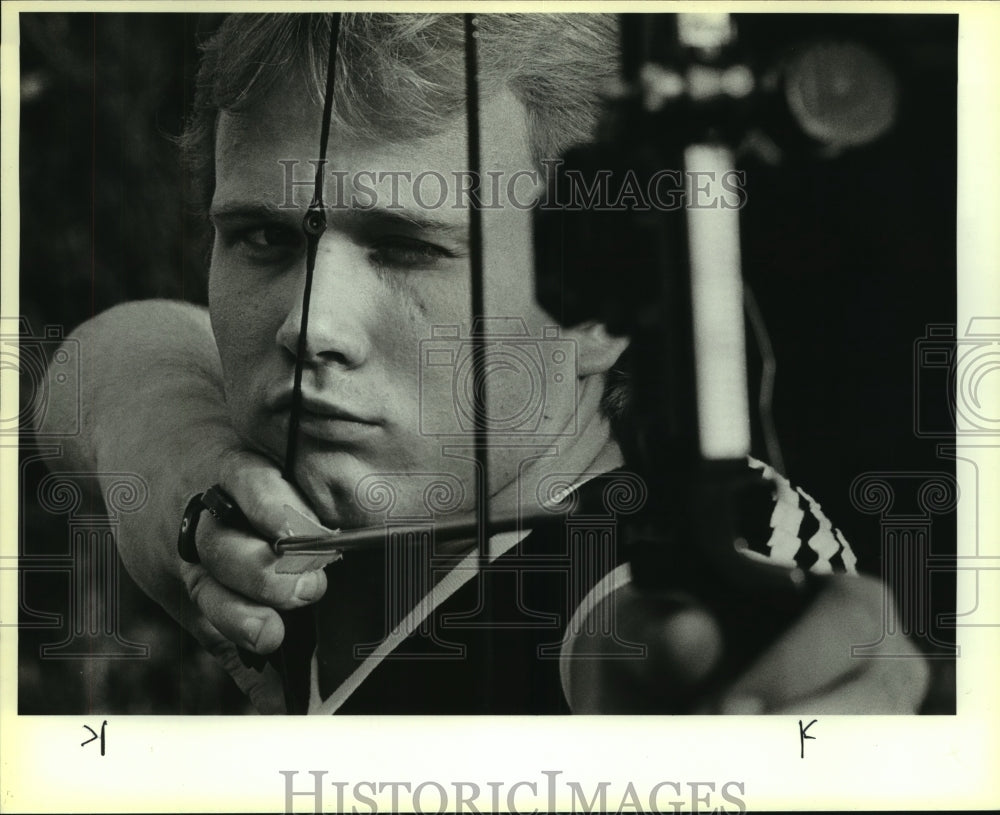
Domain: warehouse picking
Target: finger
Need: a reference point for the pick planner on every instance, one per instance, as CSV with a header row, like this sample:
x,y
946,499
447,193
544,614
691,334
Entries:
x,y
253,626
888,687
262,493
814,654
246,564
683,641
264,688
639,652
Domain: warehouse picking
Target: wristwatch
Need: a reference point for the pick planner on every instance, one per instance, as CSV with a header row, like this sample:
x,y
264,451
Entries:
x,y
221,505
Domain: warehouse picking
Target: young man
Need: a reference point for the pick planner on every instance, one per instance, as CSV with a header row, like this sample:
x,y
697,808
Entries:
x,y
187,399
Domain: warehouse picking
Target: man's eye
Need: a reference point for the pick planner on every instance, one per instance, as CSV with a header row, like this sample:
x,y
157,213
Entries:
x,y
267,243
408,253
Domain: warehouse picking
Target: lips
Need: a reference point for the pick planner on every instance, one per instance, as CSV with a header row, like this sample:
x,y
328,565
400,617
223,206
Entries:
x,y
326,420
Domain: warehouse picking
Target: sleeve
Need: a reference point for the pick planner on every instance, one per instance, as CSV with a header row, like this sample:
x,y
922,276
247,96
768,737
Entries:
x,y
797,533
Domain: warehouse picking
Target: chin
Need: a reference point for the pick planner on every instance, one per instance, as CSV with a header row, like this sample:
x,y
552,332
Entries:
x,y
328,485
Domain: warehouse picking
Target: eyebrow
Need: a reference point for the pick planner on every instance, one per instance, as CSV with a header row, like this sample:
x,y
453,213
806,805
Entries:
x,y
233,210
351,219
399,218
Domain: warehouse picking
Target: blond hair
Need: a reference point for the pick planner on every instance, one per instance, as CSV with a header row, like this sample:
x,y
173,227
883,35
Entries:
x,y
402,76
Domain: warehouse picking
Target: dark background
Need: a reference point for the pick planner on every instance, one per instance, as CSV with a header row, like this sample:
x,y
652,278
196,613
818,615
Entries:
x,y
850,259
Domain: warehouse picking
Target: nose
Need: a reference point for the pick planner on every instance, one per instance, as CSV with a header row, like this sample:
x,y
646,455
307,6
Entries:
x,y
340,304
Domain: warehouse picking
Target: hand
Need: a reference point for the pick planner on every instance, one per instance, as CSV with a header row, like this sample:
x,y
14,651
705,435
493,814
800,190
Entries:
x,y
809,670
229,599
237,587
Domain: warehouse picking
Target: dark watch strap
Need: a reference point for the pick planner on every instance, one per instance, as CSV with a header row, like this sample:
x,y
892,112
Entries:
x,y
224,508
186,546
221,505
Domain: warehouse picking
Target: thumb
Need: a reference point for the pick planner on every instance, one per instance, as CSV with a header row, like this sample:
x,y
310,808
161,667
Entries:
x,y
640,652
270,504
262,493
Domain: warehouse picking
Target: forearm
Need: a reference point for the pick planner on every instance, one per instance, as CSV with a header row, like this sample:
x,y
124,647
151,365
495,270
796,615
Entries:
x,y
147,367
151,403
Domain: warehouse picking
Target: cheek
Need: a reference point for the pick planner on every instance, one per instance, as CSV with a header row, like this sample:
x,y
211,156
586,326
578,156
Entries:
x,y
509,263
245,319
415,307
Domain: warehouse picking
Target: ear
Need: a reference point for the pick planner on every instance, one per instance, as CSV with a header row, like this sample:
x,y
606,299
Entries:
x,y
596,350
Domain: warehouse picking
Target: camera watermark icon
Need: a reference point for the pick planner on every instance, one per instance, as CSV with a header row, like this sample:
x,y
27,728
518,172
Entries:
x,y
44,364
907,503
413,560
594,566
977,566
956,380
93,621
957,403
551,587
521,376
558,569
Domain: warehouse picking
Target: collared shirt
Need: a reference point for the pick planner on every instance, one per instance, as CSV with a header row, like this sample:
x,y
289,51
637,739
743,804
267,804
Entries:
x,y
499,641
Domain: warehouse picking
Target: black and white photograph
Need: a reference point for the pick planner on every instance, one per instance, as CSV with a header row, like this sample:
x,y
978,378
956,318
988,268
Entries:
x,y
446,371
